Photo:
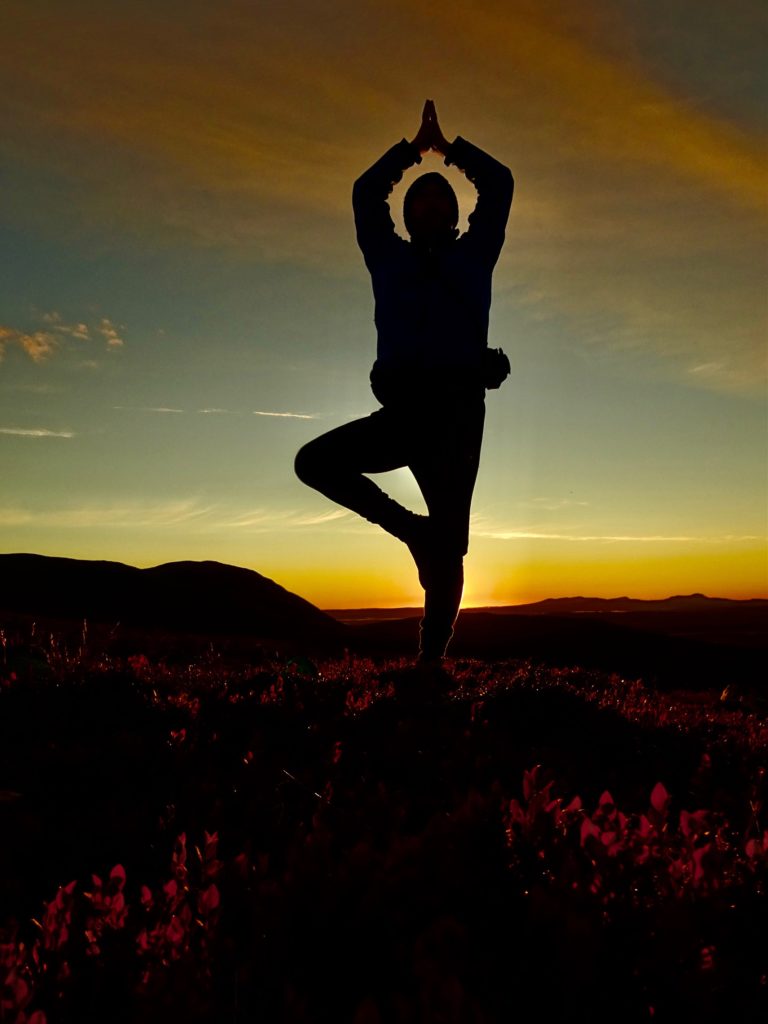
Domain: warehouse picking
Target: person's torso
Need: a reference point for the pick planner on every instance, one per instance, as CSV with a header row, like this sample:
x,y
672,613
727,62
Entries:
x,y
431,305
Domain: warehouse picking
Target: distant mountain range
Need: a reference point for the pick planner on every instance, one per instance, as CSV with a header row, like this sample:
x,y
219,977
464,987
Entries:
x,y
691,635
569,605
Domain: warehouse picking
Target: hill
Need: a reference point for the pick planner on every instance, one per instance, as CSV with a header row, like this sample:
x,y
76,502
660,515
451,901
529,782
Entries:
x,y
188,597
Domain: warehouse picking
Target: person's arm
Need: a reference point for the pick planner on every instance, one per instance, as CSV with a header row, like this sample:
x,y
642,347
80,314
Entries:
x,y
495,185
492,179
373,221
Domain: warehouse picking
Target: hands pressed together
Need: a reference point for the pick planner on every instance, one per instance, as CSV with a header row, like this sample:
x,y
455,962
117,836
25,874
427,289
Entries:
x,y
429,135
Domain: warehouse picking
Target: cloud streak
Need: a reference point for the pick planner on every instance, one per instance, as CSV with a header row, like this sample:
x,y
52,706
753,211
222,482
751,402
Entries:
x,y
728,538
147,408
265,519
287,415
231,412
130,514
194,514
36,432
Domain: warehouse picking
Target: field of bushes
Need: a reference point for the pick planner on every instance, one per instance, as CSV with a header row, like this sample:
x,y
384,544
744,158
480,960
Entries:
x,y
214,839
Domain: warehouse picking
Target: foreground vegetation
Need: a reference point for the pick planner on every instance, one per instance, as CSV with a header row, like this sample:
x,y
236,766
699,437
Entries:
x,y
308,841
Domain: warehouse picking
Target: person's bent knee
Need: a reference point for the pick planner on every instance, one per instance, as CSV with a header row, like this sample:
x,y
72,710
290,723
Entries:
x,y
305,464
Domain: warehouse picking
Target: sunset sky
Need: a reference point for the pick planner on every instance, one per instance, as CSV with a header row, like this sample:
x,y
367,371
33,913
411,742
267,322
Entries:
x,y
183,303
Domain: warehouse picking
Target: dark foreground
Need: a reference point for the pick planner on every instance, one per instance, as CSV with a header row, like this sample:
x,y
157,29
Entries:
x,y
297,841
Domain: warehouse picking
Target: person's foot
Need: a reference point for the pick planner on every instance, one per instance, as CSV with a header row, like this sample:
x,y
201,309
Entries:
x,y
433,670
421,546
427,682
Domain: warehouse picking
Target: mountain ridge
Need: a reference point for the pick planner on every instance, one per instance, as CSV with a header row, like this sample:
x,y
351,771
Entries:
x,y
564,605
186,596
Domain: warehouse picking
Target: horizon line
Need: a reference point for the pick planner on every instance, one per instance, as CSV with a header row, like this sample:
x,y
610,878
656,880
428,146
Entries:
x,y
393,607
539,600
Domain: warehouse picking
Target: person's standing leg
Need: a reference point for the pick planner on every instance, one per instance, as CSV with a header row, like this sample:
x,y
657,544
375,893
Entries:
x,y
446,469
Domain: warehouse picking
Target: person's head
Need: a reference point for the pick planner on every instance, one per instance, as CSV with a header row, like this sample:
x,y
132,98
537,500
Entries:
x,y
430,207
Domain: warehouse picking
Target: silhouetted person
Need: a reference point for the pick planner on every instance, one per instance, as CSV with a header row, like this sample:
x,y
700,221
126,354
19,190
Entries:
x,y
432,302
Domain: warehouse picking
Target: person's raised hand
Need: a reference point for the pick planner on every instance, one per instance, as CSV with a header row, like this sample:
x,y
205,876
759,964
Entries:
x,y
424,138
429,135
439,141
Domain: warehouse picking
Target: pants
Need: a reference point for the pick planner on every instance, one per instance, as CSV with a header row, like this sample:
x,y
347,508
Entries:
x,y
439,441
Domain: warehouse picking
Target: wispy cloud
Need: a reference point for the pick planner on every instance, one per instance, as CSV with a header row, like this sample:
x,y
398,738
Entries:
x,y
109,331
132,514
511,534
38,345
197,516
80,331
231,412
302,519
288,415
552,504
36,432
193,514
724,374
605,103
41,344
269,519
484,525
148,409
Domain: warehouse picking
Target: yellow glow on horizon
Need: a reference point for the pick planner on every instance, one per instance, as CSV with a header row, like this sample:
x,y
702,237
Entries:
x,y
610,570
735,574
381,575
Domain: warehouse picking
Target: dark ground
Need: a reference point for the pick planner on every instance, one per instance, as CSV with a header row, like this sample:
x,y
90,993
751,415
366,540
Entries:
x,y
380,857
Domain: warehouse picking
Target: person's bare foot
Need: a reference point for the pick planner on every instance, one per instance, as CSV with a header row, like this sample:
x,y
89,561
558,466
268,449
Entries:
x,y
421,545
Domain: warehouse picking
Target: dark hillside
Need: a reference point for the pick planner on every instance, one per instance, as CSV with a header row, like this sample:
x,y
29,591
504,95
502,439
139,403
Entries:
x,y
188,597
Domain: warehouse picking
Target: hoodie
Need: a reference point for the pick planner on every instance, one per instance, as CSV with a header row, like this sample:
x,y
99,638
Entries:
x,y
432,301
